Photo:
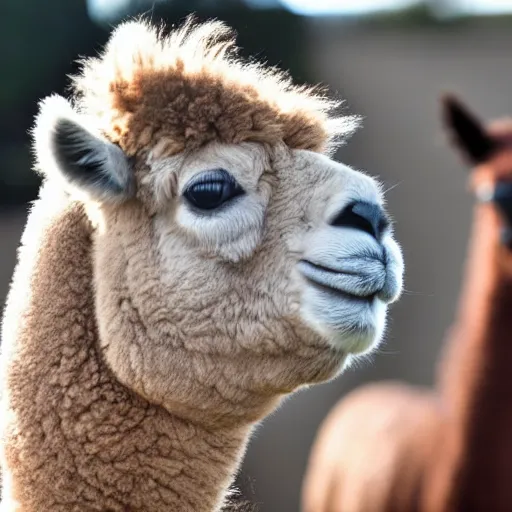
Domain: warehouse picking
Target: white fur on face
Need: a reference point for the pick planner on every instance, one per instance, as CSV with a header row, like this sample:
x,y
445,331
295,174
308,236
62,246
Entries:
x,y
290,200
335,301
348,276
234,232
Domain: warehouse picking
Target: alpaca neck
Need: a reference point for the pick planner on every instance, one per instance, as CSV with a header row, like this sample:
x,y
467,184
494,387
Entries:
x,y
476,387
74,437
479,350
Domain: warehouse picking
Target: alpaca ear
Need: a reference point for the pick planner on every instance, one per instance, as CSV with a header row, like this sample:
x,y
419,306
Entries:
x,y
69,150
466,131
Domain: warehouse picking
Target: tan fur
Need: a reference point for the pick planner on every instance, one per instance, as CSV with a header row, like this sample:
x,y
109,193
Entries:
x,y
190,88
142,341
370,452
75,438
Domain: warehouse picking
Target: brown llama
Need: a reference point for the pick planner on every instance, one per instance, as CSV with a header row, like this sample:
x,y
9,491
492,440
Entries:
x,y
388,447
194,256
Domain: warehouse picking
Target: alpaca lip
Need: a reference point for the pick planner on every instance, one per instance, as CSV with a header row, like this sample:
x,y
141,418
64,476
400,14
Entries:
x,y
369,299
330,279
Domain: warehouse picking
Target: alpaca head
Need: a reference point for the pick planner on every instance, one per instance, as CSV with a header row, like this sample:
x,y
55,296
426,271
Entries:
x,y
234,261
489,150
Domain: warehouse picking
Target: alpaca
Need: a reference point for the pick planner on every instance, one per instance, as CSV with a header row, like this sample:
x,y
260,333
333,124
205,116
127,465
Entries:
x,y
194,256
391,447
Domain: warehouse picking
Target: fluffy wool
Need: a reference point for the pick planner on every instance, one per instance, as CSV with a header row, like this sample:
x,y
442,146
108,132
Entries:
x,y
189,88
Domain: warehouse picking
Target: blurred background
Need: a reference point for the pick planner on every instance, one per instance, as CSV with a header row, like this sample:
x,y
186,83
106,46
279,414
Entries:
x,y
390,60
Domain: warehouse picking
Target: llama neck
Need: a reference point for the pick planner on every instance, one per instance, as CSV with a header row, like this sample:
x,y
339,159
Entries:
x,y
74,437
476,380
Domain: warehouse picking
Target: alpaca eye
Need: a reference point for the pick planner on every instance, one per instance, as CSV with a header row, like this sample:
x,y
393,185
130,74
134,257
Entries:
x,y
212,189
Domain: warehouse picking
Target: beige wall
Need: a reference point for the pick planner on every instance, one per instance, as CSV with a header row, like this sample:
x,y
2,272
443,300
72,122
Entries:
x,y
394,79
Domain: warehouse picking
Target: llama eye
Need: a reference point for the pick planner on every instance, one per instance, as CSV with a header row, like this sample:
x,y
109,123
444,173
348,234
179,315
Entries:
x,y
213,189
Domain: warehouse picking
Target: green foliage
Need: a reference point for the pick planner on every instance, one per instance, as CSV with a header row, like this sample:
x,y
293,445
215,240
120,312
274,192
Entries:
x,y
41,42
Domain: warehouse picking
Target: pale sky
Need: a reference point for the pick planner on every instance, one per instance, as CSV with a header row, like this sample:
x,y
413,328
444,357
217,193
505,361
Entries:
x,y
485,6
105,8
316,7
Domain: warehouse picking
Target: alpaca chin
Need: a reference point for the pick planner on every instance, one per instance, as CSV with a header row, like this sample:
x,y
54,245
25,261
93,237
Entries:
x,y
362,323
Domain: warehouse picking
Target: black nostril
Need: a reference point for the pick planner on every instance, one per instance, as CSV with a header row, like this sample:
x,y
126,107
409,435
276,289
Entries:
x,y
368,217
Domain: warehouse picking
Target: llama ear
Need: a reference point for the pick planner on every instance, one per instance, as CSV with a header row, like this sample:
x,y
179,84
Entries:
x,y
466,131
78,155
